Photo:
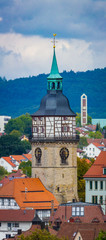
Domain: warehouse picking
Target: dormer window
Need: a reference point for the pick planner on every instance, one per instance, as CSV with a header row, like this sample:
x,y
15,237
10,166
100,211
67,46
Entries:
x,y
77,211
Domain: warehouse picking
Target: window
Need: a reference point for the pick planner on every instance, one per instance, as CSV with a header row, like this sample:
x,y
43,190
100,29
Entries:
x,y
77,211
104,172
35,129
41,129
90,183
94,199
93,149
96,185
2,201
101,185
16,224
101,200
8,202
0,224
58,85
53,85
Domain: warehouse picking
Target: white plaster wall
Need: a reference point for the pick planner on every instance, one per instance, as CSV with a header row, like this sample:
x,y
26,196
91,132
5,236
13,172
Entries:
x,y
3,122
4,229
91,151
95,192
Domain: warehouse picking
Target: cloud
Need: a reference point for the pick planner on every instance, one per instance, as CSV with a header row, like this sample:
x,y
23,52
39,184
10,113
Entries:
x,y
78,19
32,55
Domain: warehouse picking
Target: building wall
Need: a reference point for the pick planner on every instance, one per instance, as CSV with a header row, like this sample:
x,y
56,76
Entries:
x,y
96,192
59,178
3,121
4,229
7,166
91,151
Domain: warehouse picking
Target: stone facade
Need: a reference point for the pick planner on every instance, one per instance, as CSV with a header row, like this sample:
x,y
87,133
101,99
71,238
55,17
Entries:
x,y
57,177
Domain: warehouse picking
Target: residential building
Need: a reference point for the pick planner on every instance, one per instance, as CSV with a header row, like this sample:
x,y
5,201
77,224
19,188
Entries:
x,y
81,231
83,110
93,150
28,193
78,212
3,121
95,179
54,140
15,221
7,163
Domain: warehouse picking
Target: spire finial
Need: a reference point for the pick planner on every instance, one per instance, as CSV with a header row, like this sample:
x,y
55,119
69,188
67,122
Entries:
x,y
54,41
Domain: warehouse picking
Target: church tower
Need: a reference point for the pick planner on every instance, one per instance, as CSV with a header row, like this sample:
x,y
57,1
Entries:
x,y
54,140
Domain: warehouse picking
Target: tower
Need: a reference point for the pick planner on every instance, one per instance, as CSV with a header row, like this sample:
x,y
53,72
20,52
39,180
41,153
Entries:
x,y
83,110
54,140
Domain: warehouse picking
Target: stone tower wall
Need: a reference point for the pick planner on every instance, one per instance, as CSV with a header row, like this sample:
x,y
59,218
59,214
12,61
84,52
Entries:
x,y
59,178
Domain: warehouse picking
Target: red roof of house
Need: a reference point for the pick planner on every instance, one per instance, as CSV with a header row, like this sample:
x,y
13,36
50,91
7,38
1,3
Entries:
x,y
91,211
12,175
18,158
8,159
29,193
16,215
96,170
97,144
100,141
28,156
87,231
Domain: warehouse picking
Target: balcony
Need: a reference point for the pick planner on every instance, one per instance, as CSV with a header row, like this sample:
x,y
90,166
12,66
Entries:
x,y
54,139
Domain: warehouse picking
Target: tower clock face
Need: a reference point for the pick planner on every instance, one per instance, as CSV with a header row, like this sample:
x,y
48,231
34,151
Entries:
x,y
38,154
64,153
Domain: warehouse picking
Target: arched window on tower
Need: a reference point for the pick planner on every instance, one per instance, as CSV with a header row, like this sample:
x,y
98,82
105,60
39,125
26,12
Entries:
x,y
58,85
53,85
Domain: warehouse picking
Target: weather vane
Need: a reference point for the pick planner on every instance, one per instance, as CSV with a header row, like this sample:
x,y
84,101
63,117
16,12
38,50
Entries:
x,y
54,41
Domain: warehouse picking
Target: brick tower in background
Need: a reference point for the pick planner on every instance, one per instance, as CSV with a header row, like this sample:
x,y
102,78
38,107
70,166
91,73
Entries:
x,y
83,110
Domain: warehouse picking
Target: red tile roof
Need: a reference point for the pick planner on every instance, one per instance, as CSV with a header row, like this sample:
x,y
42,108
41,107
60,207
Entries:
x,y
91,211
96,170
29,193
100,141
97,144
8,159
16,174
16,215
18,158
88,231
28,156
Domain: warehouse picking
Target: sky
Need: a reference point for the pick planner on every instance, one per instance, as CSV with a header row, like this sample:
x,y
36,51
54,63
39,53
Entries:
x,y
26,34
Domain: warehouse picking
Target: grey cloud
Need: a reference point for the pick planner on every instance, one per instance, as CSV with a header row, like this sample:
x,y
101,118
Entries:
x,y
80,19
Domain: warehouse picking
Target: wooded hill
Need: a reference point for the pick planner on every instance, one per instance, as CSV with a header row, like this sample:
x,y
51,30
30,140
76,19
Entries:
x,y
23,95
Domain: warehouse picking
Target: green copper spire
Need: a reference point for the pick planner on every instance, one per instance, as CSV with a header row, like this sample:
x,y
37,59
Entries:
x,y
54,78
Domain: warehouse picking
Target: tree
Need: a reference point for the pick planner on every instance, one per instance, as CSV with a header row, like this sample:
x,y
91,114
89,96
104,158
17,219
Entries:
x,y
82,142
22,124
3,172
78,120
101,236
26,168
82,168
15,133
26,144
11,145
40,235
97,135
